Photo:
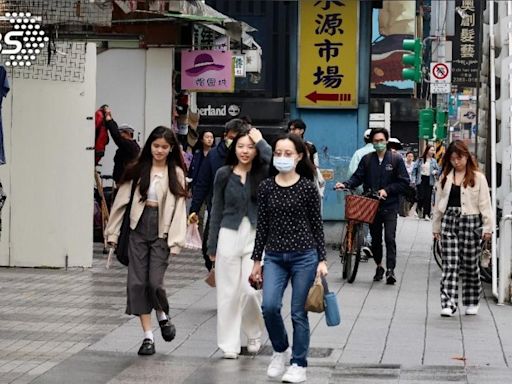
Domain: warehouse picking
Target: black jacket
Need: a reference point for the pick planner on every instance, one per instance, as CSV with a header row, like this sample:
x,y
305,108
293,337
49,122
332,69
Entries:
x,y
127,151
390,175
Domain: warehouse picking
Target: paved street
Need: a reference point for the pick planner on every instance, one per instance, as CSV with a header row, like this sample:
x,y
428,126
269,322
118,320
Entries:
x,y
61,326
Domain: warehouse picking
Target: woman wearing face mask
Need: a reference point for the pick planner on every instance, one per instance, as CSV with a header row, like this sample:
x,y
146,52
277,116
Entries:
x,y
424,174
231,241
290,231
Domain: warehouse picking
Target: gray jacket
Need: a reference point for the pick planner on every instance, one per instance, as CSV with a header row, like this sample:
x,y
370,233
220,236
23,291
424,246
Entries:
x,y
232,200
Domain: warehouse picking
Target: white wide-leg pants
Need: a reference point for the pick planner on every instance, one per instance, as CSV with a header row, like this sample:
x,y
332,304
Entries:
x,y
238,304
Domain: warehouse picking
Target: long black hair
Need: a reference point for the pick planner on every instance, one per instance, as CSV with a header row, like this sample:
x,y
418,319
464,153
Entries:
x,y
199,145
305,166
259,170
141,168
425,152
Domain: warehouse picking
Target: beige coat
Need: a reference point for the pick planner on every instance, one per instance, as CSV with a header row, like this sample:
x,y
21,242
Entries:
x,y
474,200
172,212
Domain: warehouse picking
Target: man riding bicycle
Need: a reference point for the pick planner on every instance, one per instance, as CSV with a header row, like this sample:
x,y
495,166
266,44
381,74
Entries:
x,y
383,172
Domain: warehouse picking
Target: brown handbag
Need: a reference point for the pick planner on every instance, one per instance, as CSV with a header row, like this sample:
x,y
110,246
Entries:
x,y
315,299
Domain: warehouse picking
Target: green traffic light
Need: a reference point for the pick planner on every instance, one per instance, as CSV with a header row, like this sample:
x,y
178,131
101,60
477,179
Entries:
x,y
426,123
411,74
412,45
412,60
408,59
441,121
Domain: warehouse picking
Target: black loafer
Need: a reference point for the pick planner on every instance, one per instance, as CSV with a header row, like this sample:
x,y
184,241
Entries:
x,y
147,348
168,329
379,274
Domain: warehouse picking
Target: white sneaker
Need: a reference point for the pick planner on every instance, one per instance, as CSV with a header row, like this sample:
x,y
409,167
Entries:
x,y
367,251
253,345
294,374
472,310
277,365
447,312
230,355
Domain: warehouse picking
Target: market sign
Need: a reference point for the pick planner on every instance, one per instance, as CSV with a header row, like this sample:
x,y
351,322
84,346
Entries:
x,y
328,54
466,43
207,71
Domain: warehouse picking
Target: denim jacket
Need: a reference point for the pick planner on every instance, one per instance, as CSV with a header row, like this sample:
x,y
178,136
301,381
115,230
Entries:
x,y
435,170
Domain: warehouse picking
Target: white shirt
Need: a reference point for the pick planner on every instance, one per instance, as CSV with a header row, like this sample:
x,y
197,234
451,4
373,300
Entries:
x,y
409,168
425,168
152,197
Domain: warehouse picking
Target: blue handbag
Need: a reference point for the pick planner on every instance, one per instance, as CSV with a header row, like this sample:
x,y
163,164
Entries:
x,y
332,310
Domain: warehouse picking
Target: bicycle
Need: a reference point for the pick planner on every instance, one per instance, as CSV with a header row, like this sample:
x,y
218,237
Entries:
x,y
358,210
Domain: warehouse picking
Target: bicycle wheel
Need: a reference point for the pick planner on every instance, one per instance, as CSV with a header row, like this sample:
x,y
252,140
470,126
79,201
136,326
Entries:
x,y
353,253
436,250
346,246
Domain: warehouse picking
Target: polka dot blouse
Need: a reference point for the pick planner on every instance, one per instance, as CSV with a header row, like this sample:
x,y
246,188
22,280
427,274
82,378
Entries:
x,y
289,218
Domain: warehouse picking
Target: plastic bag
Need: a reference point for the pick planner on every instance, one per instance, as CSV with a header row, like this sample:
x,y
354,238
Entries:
x,y
193,238
109,258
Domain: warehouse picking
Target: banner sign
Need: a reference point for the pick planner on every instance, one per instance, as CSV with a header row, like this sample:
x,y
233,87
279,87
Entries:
x,y
207,71
328,54
466,43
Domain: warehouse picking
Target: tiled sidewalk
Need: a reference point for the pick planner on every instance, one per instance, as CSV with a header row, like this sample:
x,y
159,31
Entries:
x,y
68,326
47,315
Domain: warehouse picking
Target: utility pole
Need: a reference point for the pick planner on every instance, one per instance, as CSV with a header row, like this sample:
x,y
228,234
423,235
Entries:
x,y
442,98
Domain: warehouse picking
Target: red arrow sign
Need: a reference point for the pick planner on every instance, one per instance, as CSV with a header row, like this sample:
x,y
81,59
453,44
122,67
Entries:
x,y
314,97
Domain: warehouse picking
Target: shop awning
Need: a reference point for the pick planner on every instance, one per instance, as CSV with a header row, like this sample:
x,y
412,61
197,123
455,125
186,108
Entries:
x,y
193,11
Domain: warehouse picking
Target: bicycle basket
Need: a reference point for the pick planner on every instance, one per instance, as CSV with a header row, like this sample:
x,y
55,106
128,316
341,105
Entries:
x,y
360,208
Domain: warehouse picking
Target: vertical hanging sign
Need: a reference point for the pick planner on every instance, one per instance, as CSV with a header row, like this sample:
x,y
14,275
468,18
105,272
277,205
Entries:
x,y
328,54
466,43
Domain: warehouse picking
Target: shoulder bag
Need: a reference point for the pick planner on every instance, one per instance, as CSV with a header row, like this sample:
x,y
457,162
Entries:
x,y
124,234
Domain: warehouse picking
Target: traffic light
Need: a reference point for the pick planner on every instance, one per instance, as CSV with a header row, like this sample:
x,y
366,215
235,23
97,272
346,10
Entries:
x,y
412,60
441,121
426,120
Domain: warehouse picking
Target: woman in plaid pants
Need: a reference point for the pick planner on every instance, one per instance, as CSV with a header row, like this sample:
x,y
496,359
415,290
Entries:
x,y
462,206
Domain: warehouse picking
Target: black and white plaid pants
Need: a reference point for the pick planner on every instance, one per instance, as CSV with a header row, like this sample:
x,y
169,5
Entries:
x,y
460,248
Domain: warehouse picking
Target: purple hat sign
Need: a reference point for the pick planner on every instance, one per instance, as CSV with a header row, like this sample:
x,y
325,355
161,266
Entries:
x,y
207,71
202,63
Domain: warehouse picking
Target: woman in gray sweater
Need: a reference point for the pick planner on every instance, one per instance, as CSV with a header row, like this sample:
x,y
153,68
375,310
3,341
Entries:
x,y
231,242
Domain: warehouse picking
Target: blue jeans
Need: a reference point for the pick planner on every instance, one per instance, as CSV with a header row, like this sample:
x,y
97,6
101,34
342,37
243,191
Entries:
x,y
280,267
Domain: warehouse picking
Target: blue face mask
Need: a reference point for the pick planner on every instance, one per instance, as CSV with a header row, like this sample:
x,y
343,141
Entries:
x,y
284,164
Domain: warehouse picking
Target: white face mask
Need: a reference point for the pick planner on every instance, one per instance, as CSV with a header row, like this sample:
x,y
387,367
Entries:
x,y
284,164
